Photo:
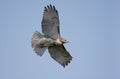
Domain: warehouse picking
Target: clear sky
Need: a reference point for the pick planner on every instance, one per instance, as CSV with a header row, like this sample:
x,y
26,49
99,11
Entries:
x,y
91,26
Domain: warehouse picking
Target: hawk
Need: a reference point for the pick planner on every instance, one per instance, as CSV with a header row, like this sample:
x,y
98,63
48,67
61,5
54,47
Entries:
x,y
51,38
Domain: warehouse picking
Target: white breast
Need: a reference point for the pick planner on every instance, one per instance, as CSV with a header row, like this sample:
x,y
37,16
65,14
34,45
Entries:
x,y
46,41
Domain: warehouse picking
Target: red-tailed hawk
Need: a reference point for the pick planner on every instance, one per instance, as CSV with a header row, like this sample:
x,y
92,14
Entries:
x,y
51,38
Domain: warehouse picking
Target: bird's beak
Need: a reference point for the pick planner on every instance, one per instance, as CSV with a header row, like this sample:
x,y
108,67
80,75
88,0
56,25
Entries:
x,y
67,41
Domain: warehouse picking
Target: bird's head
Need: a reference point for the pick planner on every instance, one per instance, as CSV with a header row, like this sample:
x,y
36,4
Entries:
x,y
62,41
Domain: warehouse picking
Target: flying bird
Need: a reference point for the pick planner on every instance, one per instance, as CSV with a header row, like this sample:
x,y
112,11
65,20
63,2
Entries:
x,y
51,38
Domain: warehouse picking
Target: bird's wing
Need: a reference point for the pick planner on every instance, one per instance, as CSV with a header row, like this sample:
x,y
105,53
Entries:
x,y
60,54
50,22
35,43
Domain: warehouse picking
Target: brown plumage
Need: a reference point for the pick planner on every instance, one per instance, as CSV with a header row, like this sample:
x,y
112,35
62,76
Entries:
x,y
51,38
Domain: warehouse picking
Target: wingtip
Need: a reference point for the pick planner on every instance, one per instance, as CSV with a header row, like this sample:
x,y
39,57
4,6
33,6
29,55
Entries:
x,y
50,7
66,63
45,8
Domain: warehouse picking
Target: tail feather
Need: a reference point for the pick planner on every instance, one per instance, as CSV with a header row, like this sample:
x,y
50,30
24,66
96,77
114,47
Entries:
x,y
36,37
35,43
39,50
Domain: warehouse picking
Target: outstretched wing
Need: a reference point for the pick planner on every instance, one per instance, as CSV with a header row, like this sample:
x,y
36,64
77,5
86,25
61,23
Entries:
x,y
60,54
50,22
35,43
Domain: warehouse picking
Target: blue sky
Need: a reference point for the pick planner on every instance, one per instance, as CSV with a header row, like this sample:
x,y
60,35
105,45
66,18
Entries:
x,y
91,26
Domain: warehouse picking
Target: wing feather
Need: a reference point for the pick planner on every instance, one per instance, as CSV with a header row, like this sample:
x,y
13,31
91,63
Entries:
x,y
60,54
50,22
